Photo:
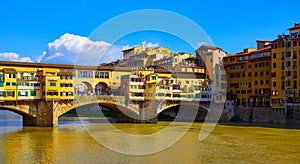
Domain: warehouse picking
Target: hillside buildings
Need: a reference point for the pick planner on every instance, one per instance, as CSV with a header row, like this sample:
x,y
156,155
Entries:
x,y
260,85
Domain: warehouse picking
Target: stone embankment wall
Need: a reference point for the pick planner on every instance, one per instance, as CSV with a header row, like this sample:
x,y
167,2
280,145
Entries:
x,y
294,116
269,115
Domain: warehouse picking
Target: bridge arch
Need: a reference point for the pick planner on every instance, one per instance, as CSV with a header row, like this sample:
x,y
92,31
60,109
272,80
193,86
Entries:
x,y
191,112
84,88
27,118
102,88
11,109
115,107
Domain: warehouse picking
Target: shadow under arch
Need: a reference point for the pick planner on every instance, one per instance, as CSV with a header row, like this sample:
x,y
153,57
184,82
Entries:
x,y
169,114
102,88
111,111
27,118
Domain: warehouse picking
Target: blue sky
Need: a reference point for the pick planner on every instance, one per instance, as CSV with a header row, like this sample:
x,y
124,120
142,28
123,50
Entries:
x,y
27,27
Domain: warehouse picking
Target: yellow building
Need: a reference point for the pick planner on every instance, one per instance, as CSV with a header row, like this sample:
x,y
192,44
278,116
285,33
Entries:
x,y
66,84
28,84
132,51
19,83
175,61
285,69
34,81
10,84
141,56
50,83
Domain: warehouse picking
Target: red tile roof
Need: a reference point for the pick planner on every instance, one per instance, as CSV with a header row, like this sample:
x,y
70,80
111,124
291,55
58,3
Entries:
x,y
247,53
295,27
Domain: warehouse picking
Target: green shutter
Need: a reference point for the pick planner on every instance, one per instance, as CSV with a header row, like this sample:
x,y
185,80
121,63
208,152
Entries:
x,y
4,94
1,83
26,93
19,93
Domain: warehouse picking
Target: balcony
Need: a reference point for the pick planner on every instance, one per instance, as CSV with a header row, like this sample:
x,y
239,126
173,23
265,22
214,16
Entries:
x,y
137,98
28,78
136,83
176,89
52,78
136,90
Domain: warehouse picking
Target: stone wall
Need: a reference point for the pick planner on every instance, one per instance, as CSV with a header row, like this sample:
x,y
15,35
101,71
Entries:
x,y
294,115
45,115
261,115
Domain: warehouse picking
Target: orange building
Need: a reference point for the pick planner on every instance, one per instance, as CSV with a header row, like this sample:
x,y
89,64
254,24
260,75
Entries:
x,y
248,75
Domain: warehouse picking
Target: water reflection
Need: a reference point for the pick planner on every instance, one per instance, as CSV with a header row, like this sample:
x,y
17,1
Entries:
x,y
9,129
70,143
9,122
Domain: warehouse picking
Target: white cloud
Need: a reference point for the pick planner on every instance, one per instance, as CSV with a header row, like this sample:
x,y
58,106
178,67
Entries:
x,y
12,56
25,59
150,44
74,49
39,59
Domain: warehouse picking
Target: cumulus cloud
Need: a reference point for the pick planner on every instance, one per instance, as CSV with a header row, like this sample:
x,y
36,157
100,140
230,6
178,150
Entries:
x,y
39,58
150,44
12,56
75,49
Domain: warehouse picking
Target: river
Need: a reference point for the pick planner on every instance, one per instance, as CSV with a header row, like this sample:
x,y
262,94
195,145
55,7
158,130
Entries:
x,y
72,143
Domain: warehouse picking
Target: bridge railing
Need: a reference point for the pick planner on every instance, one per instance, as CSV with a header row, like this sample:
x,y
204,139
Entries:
x,y
113,99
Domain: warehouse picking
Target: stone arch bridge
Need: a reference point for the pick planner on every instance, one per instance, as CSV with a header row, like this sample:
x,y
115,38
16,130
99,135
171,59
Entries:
x,y
46,113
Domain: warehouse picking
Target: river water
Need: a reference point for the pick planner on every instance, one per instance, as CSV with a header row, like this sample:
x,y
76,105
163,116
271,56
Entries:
x,y
72,143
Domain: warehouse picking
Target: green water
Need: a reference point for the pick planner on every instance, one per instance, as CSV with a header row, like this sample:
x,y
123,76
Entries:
x,y
70,143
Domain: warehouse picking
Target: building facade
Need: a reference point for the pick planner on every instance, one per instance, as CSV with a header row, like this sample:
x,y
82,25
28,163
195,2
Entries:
x,y
141,56
212,58
285,71
150,84
248,75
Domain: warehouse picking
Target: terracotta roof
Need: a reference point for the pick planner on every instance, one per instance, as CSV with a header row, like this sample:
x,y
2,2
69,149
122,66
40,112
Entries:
x,y
261,50
62,66
164,77
263,40
237,54
211,47
247,53
128,49
9,70
295,27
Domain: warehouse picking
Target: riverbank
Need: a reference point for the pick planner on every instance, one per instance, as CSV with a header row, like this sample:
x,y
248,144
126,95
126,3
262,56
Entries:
x,y
69,119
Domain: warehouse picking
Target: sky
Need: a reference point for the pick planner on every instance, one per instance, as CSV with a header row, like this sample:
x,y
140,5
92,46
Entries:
x,y
57,31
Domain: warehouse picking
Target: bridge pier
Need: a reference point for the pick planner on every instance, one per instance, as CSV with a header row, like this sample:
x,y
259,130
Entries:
x,y
45,116
148,115
29,120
